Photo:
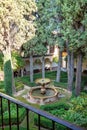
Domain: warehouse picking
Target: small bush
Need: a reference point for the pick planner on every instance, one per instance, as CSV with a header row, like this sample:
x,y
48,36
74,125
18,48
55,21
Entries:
x,y
46,123
2,87
50,107
19,86
1,84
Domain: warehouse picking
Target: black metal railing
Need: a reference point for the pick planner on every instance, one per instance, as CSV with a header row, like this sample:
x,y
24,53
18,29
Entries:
x,y
29,108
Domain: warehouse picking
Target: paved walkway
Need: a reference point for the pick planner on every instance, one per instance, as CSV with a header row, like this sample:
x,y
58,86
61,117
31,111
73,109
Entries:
x,y
21,91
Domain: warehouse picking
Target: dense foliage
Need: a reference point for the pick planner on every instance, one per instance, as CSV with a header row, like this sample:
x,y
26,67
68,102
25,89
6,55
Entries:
x,y
1,61
17,61
16,25
74,34
72,111
13,111
18,84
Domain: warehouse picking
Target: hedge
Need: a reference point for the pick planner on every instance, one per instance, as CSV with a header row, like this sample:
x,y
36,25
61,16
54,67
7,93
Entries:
x,y
22,114
19,86
55,109
46,123
54,106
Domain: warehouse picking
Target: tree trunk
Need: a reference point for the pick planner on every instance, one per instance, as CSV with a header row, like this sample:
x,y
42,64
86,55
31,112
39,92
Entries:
x,y
22,74
70,67
31,68
78,74
59,67
43,67
70,70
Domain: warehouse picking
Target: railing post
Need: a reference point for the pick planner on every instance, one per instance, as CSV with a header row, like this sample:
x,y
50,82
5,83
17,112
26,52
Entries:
x,y
9,115
27,114
38,122
53,124
17,117
2,114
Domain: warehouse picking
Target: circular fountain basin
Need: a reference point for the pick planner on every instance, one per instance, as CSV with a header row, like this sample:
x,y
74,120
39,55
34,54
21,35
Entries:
x,y
35,95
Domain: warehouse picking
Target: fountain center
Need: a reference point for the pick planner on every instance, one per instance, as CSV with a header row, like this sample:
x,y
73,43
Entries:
x,y
43,82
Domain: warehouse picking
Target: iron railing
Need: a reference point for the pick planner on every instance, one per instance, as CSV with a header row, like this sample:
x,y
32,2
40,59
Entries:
x,y
29,108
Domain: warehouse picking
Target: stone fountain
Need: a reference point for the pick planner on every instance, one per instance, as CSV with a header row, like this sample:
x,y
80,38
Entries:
x,y
44,93
43,82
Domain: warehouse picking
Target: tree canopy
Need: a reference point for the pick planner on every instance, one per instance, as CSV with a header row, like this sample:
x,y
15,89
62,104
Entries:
x,y
16,28
74,28
16,22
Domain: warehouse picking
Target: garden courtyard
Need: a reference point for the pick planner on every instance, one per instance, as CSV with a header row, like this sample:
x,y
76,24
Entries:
x,y
43,64
67,106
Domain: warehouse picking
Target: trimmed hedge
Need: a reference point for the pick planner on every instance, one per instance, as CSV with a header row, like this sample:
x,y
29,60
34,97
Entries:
x,y
46,123
60,84
25,80
22,113
19,86
64,80
14,128
54,106
56,109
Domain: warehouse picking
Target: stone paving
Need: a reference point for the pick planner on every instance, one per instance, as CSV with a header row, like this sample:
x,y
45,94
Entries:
x,y
21,91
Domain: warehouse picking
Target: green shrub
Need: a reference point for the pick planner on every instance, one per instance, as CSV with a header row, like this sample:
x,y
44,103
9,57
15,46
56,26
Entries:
x,y
8,77
32,84
2,87
1,84
55,106
57,109
77,113
46,123
25,80
19,85
76,117
43,122
22,113
64,80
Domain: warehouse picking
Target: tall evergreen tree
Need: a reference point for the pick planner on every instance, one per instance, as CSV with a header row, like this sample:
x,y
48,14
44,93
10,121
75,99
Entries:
x,y
48,29
16,23
74,33
29,49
